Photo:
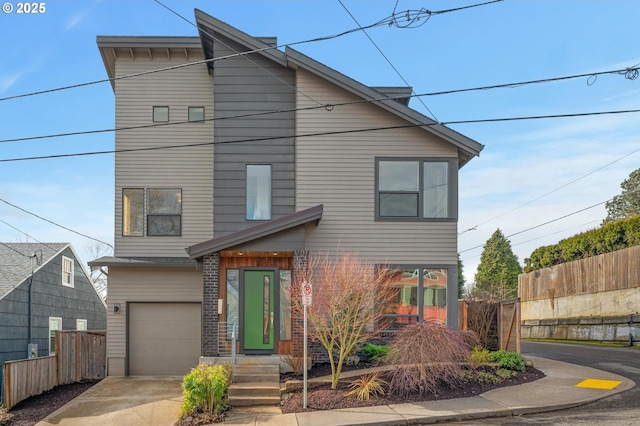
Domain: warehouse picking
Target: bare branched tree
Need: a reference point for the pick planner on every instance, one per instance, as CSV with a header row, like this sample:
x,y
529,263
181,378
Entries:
x,y
99,276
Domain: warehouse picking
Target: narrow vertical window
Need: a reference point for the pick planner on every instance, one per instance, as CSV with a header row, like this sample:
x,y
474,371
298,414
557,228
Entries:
x,y
67,271
55,324
435,294
233,296
161,113
132,212
285,304
436,189
266,310
258,192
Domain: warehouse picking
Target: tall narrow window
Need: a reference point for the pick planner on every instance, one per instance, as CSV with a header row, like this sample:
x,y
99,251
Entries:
x,y
233,297
258,192
132,212
285,304
164,212
55,324
67,271
436,189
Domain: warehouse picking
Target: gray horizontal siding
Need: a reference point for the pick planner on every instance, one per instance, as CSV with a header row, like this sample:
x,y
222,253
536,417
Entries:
x,y
339,172
188,168
245,87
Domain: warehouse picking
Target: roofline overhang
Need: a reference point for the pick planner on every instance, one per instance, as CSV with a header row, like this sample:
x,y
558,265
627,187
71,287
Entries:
x,y
207,24
142,262
256,232
468,146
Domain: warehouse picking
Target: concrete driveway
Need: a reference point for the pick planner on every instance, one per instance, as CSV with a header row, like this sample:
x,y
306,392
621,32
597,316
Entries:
x,y
123,401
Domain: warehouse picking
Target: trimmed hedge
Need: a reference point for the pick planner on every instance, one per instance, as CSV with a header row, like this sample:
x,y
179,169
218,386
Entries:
x,y
613,236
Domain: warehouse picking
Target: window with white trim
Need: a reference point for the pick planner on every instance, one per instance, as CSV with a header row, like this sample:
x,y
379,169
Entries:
x,y
67,272
81,324
55,324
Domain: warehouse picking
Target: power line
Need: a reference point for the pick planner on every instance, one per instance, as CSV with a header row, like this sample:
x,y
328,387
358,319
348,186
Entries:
x,y
475,227
27,235
337,132
54,223
331,106
387,59
544,224
13,249
388,21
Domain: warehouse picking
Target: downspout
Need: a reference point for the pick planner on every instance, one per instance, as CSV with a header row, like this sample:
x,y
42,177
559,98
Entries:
x,y
33,256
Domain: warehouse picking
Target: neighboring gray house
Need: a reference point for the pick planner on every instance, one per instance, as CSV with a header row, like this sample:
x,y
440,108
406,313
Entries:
x,y
43,288
270,156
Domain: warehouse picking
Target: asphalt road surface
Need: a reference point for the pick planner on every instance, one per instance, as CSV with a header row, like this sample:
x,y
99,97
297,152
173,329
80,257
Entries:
x,y
619,409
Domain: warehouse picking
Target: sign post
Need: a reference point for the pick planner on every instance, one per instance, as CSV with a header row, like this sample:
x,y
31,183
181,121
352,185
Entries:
x,y
307,295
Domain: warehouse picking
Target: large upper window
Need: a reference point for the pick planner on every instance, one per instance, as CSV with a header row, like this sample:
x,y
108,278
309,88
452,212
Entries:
x,y
418,189
162,209
164,212
258,192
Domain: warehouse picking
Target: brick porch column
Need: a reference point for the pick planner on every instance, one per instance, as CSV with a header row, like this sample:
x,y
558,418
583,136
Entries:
x,y
300,267
210,295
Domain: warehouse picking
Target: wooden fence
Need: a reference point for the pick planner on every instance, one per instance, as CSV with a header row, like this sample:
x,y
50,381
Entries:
x,y
80,355
497,324
617,270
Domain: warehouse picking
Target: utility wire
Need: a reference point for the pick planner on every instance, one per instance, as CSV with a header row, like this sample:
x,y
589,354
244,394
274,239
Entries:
x,y
305,135
27,235
544,224
54,223
329,107
389,21
11,248
387,59
475,227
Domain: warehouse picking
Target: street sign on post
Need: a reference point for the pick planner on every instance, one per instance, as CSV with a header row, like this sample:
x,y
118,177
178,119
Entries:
x,y
307,294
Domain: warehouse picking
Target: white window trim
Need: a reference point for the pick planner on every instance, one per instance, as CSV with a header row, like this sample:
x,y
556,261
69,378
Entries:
x,y
52,350
81,321
68,260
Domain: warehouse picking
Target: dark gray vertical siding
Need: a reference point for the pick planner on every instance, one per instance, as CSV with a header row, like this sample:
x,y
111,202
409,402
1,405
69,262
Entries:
x,y
246,87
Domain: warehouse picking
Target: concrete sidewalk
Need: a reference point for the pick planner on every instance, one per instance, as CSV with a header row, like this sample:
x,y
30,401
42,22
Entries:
x,y
556,391
156,401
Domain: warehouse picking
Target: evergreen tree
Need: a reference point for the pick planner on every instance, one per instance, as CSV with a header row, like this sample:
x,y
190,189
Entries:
x,y
499,268
461,280
626,204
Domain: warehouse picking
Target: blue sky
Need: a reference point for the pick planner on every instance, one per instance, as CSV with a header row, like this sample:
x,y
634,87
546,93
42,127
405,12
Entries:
x,y
504,42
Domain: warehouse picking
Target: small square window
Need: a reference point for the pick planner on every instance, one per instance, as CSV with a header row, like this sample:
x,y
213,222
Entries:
x,y
67,271
196,113
161,113
81,324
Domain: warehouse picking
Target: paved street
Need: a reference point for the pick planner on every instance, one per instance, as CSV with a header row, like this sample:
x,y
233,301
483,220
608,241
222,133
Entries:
x,y
619,409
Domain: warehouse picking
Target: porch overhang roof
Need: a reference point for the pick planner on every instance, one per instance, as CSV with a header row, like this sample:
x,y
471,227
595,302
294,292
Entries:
x,y
173,262
256,232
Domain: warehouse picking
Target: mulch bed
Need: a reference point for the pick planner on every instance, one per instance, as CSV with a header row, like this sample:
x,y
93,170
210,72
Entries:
x,y
32,410
324,398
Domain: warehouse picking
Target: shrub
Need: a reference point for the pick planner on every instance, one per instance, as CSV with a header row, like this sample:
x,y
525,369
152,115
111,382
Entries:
x,y
296,362
509,360
479,356
427,355
352,360
367,386
374,352
205,391
503,373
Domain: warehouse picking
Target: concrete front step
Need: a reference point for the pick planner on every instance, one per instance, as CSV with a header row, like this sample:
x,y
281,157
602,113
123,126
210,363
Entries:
x,y
255,385
254,389
253,401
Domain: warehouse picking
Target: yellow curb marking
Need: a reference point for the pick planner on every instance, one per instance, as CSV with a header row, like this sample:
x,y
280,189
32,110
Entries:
x,y
598,384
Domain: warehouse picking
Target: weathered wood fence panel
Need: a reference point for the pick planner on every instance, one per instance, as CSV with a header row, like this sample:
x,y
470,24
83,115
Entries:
x,y
509,326
617,270
28,377
80,355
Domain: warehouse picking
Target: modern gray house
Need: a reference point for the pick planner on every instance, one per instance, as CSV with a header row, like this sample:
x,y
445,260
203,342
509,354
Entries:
x,y
43,288
235,161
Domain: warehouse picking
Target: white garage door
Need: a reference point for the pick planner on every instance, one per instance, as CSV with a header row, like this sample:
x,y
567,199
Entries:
x,y
164,338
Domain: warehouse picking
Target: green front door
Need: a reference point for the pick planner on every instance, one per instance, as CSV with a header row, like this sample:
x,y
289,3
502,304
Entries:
x,y
259,309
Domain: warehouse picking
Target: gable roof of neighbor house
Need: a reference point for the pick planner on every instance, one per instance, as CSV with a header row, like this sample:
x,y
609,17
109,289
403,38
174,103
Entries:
x,y
207,25
18,260
313,214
